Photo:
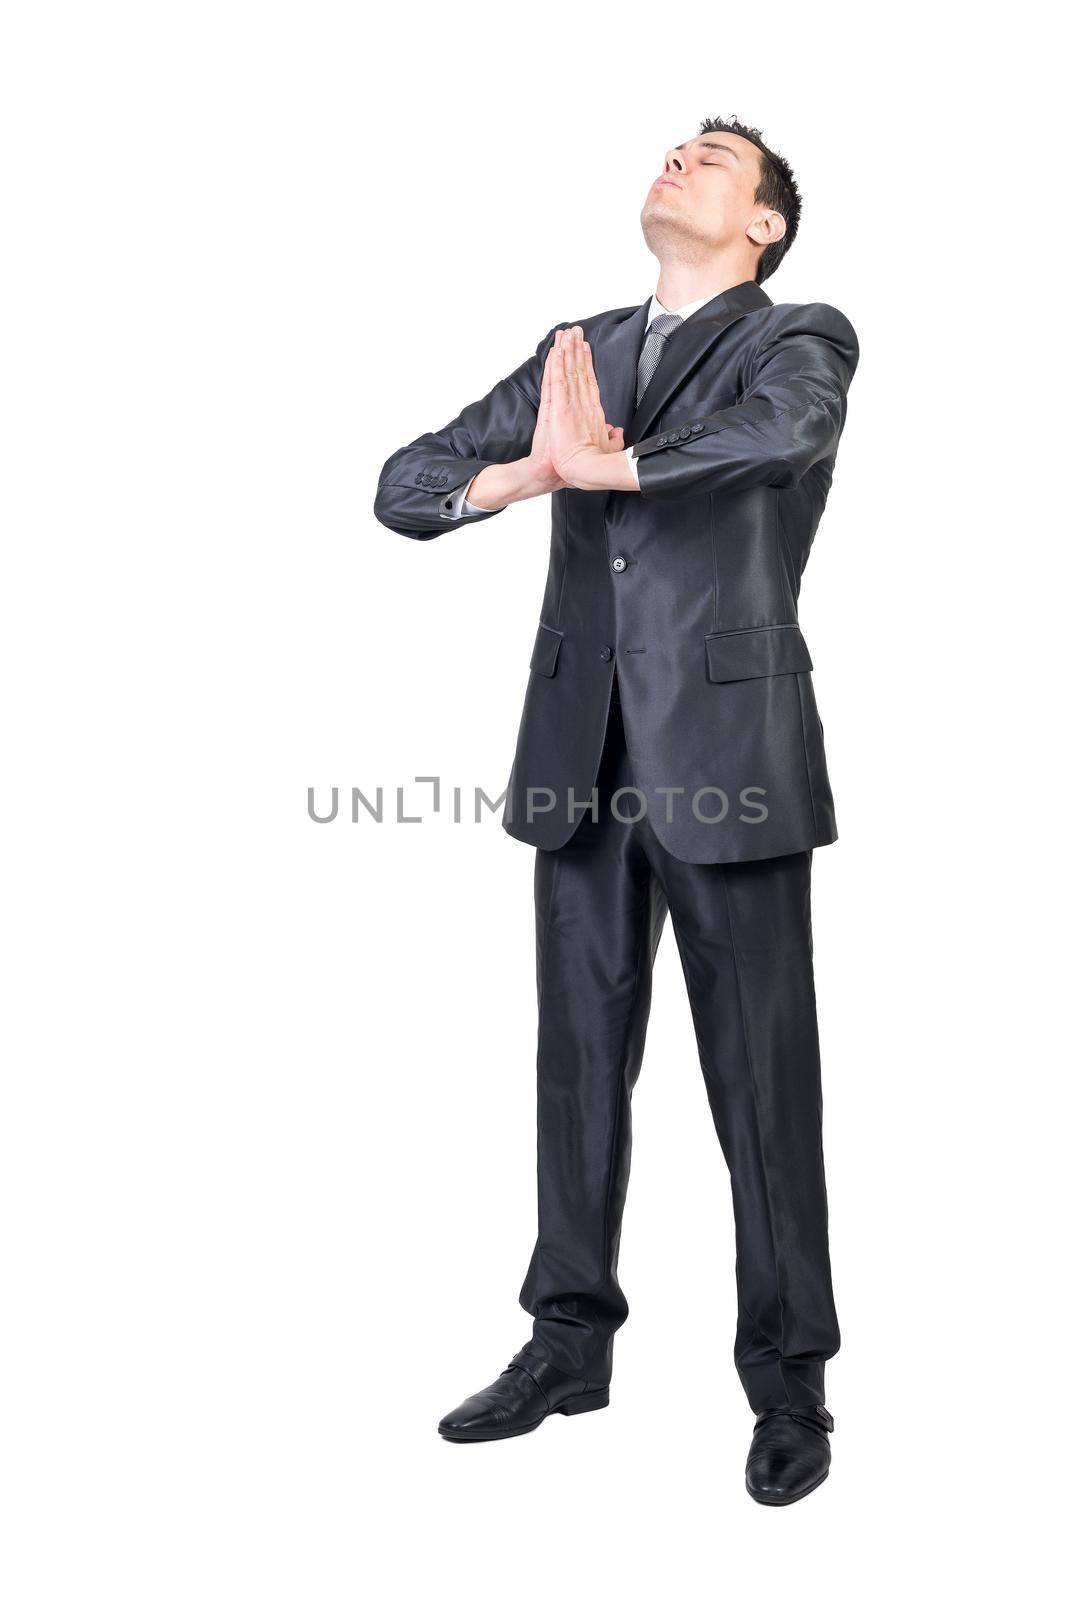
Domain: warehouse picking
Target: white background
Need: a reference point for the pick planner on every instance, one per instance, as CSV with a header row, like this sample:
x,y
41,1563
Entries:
x,y
268,1138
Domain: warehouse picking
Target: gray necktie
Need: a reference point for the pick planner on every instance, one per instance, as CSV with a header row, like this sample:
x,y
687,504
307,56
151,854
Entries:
x,y
659,332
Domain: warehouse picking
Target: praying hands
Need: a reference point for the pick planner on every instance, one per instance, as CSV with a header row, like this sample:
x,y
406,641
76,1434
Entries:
x,y
586,452
573,446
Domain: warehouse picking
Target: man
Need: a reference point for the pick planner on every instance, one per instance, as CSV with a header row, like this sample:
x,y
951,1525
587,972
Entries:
x,y
670,759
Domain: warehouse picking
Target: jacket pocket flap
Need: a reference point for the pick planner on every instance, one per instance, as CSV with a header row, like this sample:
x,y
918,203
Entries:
x,y
756,653
546,650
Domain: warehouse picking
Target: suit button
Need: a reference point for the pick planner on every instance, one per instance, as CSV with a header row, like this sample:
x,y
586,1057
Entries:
x,y
619,564
606,653
684,433
662,439
695,427
673,438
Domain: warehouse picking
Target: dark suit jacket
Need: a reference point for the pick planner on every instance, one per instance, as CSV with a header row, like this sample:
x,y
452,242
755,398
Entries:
x,y
688,590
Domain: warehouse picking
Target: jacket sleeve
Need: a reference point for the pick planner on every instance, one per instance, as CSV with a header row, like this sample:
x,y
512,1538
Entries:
x,y
421,487
790,415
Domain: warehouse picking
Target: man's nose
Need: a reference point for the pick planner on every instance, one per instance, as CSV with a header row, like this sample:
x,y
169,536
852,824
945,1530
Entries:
x,y
674,161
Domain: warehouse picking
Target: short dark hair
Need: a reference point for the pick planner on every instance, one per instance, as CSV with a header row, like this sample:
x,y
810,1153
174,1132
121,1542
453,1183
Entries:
x,y
777,188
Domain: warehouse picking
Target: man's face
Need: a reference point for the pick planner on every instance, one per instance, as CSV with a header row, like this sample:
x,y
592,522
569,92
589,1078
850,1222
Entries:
x,y
703,198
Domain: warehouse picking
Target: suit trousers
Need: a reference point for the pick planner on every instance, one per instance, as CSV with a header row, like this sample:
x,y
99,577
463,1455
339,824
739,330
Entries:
x,y
743,932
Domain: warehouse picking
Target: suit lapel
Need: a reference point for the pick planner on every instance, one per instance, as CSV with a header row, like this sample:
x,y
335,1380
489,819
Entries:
x,y
616,364
688,345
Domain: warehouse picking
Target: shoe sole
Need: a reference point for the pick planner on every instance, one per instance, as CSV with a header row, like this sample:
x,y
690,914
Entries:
x,y
578,1403
786,1500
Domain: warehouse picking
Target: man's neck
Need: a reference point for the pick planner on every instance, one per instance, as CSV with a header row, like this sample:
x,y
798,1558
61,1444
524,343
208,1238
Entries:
x,y
683,281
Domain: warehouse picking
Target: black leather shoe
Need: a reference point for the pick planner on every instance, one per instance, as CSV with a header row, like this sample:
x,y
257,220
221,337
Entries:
x,y
790,1454
527,1391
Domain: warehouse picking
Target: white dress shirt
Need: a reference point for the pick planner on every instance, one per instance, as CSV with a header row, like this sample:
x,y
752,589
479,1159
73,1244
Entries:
x,y
465,506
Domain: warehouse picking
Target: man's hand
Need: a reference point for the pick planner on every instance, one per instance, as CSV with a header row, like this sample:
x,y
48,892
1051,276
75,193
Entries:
x,y
573,446
586,451
499,486
540,460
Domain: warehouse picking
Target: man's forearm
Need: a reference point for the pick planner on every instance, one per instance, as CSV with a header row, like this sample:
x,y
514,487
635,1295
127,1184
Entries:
x,y
503,484
602,469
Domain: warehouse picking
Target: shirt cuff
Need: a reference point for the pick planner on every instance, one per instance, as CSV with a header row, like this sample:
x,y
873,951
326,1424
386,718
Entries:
x,y
462,506
633,465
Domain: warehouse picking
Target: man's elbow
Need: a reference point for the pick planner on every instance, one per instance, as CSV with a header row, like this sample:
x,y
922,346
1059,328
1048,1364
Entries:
x,y
405,511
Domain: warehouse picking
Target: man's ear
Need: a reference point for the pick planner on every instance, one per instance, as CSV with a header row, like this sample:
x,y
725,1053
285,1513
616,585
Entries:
x,y
766,228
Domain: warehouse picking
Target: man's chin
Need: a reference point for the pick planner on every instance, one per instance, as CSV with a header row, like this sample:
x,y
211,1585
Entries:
x,y
661,210
660,225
